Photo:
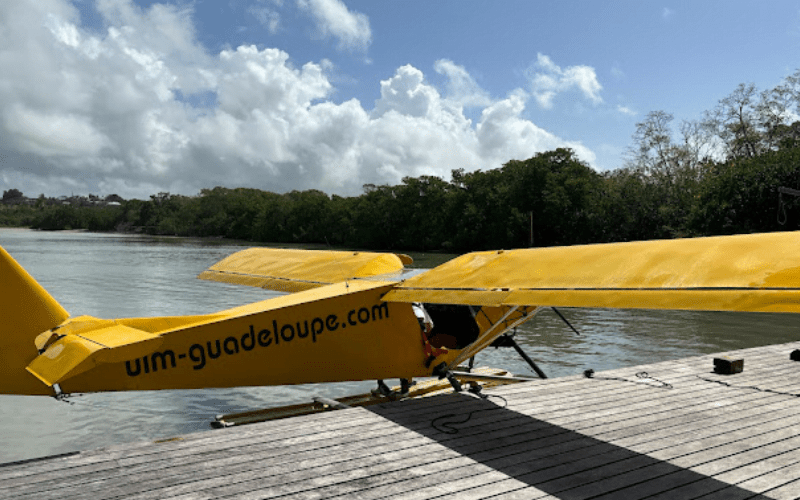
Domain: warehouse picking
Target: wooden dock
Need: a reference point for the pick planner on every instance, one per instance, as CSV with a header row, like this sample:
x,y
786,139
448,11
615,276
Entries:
x,y
678,432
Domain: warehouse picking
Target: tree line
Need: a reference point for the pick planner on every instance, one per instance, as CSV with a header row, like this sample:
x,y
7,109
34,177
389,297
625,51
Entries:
x,y
720,174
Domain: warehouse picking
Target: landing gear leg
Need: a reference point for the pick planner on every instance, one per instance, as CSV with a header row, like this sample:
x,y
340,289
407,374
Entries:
x,y
384,390
405,385
441,371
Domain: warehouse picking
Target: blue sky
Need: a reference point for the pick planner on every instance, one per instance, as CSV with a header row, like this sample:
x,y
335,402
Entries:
x,y
137,97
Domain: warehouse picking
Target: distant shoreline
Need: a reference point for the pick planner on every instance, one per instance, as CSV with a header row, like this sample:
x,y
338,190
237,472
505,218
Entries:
x,y
421,259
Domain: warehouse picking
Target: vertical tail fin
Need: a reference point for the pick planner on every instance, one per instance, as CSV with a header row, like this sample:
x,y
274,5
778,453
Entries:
x,y
26,310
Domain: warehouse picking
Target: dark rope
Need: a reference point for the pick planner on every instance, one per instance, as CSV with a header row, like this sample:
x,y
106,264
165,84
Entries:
x,y
448,427
759,389
642,375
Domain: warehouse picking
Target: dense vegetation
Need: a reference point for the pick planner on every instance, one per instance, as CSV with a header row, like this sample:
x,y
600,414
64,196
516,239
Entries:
x,y
721,177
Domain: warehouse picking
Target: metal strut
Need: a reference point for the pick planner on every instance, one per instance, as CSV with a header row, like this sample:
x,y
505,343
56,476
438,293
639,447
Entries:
x,y
565,320
526,358
441,371
508,341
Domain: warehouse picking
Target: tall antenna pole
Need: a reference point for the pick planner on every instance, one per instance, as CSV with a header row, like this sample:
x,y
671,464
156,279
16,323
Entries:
x,y
531,217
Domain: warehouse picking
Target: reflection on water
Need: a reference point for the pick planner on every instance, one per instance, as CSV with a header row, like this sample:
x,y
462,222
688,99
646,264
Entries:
x,y
111,275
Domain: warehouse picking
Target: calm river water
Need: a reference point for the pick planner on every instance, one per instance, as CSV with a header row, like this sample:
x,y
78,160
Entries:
x,y
113,275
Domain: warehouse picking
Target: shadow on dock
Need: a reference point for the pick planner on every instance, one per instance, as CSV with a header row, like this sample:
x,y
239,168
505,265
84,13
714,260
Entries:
x,y
554,460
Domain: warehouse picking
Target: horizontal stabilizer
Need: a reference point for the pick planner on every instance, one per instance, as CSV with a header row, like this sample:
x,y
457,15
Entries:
x,y
755,272
290,270
70,353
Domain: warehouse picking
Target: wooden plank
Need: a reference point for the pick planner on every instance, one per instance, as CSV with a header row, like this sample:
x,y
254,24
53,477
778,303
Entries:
x,y
146,450
220,465
671,481
290,445
425,455
572,434
688,474
490,490
699,489
128,472
767,474
788,491
452,478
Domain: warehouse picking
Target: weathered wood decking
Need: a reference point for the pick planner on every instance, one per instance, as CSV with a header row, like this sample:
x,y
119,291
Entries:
x,y
613,436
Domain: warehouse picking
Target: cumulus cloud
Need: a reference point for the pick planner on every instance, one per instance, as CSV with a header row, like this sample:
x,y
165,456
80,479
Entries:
x,y
407,94
503,132
142,108
548,79
52,134
334,19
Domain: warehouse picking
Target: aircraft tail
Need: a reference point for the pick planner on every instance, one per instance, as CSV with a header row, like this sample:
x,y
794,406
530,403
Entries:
x,y
26,310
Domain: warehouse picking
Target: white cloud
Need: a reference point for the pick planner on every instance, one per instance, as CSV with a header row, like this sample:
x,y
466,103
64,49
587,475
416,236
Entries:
x,y
547,80
249,80
667,13
113,113
333,19
267,17
502,132
626,110
406,94
461,88
52,134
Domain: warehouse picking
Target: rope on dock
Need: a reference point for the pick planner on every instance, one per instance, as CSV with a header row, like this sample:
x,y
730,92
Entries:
x,y
447,427
641,375
752,387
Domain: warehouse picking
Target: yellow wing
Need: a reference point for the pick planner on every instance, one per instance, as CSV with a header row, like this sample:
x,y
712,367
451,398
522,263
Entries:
x,y
755,272
290,270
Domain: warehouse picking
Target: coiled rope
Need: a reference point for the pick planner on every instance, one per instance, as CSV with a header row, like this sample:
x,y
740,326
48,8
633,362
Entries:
x,y
448,427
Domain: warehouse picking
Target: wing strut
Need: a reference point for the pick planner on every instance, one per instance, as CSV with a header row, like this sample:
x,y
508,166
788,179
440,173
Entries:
x,y
565,320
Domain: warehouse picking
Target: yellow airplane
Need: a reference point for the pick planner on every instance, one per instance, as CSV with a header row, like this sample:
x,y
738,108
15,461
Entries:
x,y
355,315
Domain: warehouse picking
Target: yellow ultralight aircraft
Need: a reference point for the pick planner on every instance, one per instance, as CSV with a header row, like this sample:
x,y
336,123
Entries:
x,y
352,316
